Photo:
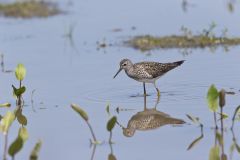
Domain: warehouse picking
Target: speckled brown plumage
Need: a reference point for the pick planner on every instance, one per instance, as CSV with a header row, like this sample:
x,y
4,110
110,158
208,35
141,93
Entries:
x,y
146,72
148,120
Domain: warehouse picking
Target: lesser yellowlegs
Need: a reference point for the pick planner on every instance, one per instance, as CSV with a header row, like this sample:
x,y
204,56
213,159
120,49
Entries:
x,y
149,119
146,72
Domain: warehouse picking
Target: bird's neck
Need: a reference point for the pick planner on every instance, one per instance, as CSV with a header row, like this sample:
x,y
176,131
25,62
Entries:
x,y
129,71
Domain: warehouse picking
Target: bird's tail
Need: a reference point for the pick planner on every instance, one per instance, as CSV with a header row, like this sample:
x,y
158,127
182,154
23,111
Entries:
x,y
172,65
178,63
177,121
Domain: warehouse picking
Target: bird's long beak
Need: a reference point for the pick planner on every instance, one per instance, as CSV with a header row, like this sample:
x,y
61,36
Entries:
x,y
120,69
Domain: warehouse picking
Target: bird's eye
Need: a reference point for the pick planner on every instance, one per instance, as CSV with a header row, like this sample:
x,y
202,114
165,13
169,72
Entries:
x,y
124,64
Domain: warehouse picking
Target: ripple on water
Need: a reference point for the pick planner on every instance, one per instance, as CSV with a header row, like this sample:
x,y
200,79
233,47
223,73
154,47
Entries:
x,y
130,94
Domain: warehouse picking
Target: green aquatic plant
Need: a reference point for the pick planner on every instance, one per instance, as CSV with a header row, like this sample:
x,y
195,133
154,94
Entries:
x,y
208,32
35,151
5,105
235,115
186,40
17,145
20,73
110,125
84,115
212,99
5,124
214,153
196,121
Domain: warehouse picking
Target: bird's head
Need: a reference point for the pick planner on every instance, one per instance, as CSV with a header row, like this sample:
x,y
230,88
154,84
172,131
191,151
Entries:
x,y
124,64
128,132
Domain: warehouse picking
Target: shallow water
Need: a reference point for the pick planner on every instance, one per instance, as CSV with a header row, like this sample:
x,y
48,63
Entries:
x,y
63,72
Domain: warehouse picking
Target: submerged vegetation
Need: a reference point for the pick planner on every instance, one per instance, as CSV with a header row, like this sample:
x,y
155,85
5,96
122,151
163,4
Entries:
x,y
206,38
29,9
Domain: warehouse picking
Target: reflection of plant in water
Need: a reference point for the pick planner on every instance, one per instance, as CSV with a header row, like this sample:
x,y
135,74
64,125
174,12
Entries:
x,y
84,115
217,99
110,125
69,36
3,64
35,151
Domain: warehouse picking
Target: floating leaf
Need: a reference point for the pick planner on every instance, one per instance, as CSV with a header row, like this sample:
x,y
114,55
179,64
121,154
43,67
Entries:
x,y
35,151
15,147
195,142
5,105
222,95
20,72
193,119
212,97
214,153
20,91
6,122
80,111
111,123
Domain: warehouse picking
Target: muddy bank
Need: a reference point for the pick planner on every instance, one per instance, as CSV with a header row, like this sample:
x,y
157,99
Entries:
x,y
29,9
148,42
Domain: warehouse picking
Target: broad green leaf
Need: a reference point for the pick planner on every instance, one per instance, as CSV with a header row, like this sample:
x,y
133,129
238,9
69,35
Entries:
x,y
23,133
5,105
80,111
19,91
194,142
214,153
111,157
6,122
22,119
20,72
35,151
222,95
15,147
111,123
212,98
193,119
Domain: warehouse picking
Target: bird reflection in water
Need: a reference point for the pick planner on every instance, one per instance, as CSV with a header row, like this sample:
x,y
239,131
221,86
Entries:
x,y
149,119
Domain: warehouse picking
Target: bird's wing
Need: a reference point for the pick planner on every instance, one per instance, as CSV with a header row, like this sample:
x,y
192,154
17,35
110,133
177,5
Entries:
x,y
156,69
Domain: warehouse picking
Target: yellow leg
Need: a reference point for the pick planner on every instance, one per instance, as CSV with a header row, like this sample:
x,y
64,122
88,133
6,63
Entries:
x,y
158,92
